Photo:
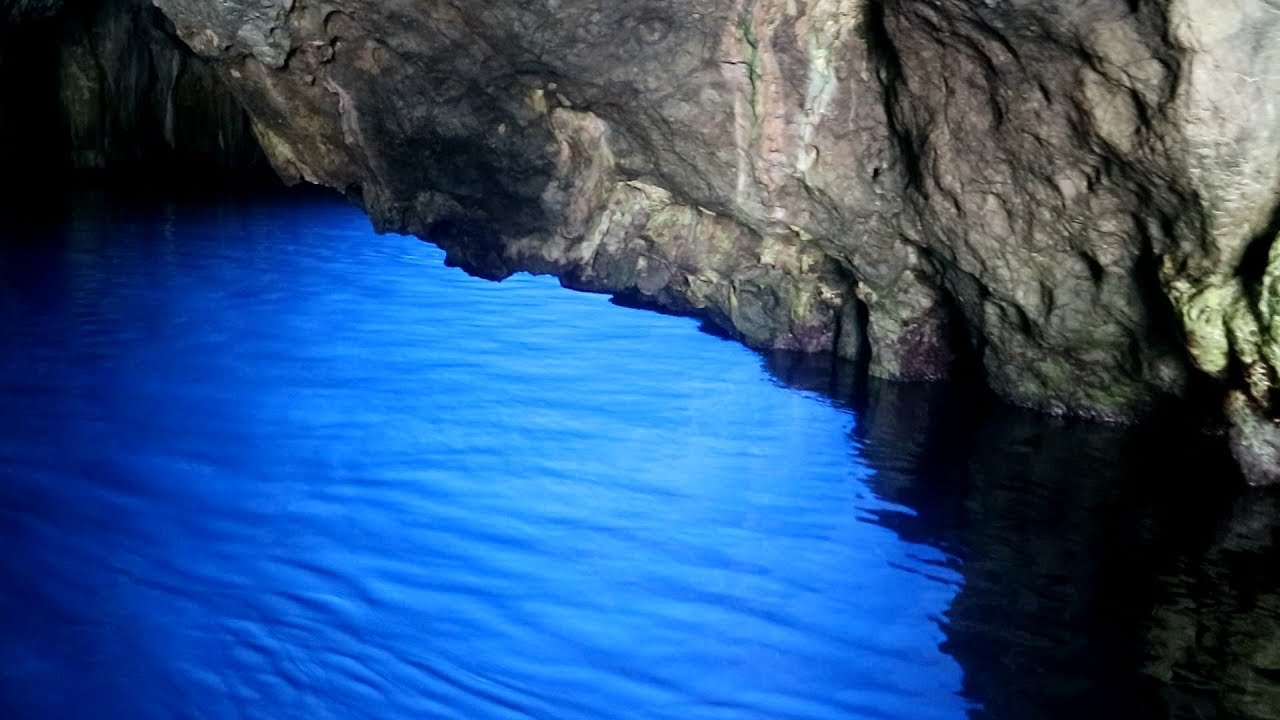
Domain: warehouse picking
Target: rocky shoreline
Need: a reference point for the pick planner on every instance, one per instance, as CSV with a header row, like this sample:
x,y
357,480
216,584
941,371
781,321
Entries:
x,y
1080,200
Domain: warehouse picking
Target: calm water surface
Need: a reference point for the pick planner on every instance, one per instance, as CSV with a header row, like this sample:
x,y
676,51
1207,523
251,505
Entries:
x,y
257,462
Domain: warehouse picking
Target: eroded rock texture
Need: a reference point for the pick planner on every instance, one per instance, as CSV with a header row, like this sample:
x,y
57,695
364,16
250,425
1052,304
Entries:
x,y
1079,198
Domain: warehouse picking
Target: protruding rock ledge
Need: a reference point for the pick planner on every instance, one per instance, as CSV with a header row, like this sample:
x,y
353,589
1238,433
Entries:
x,y
1255,440
1048,192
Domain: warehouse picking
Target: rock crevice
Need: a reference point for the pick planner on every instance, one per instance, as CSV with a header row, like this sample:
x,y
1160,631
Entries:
x,y
1061,194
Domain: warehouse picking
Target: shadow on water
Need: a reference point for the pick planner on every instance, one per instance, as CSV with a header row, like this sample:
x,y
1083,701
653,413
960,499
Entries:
x,y
1108,572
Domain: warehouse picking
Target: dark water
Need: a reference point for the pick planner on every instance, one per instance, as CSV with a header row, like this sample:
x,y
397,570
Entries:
x,y
257,462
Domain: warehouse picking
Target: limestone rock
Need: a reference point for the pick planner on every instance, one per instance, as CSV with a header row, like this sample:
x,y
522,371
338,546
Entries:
x,y
1076,197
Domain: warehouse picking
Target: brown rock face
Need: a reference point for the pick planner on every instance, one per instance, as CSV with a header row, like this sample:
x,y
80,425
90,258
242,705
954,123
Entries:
x,y
1077,197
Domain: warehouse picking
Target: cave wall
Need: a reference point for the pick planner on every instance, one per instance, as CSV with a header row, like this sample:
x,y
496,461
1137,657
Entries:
x,y
1078,198
105,86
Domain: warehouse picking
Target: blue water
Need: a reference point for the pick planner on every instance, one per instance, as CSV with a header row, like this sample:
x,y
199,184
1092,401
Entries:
x,y
269,463
258,462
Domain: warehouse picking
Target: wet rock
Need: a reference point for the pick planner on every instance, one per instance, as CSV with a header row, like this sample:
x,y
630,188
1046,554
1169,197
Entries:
x,y
1071,197
1255,440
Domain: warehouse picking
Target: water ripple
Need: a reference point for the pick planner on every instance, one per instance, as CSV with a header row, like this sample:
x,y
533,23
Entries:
x,y
269,465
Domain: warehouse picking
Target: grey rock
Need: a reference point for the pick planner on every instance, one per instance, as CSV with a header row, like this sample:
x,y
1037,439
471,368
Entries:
x,y
1073,196
1255,441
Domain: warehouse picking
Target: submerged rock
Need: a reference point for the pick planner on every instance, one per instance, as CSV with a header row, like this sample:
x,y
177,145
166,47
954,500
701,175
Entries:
x,y
1078,198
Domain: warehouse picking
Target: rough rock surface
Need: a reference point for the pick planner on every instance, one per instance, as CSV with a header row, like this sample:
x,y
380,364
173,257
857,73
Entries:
x,y
105,85
1079,198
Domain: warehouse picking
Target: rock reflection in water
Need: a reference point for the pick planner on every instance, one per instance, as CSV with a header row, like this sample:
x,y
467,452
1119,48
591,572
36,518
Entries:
x,y
255,458
1107,572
